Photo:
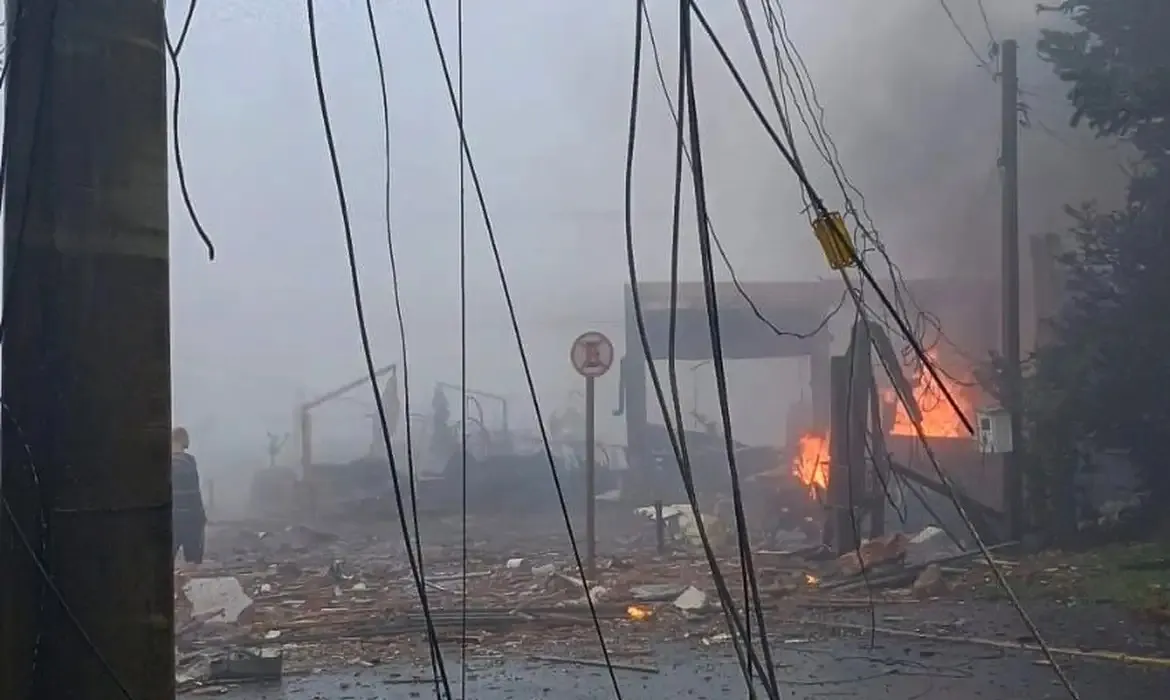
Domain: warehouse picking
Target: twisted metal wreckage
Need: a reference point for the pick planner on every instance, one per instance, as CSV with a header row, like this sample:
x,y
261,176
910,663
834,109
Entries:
x,y
876,420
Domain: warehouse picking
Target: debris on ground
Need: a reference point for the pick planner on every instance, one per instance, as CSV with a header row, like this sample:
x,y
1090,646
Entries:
x,y
871,553
691,600
316,599
325,599
929,583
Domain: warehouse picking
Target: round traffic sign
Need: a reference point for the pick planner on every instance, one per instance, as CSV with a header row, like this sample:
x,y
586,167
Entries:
x,y
591,354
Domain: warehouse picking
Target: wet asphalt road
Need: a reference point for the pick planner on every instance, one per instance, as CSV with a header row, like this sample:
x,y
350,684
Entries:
x,y
836,668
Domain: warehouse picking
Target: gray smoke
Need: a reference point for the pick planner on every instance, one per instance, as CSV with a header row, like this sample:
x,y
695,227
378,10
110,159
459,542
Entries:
x,y
914,112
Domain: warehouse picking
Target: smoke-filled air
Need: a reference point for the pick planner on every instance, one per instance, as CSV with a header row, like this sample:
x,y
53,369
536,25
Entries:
x,y
536,348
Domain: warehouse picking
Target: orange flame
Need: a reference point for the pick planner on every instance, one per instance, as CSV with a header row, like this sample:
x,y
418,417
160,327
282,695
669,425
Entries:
x,y
938,417
637,612
811,463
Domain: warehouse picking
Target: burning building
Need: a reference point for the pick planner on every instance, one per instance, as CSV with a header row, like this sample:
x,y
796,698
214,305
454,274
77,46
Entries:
x,y
966,308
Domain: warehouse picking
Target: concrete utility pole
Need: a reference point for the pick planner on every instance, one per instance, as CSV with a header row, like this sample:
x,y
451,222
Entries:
x,y
86,362
1013,478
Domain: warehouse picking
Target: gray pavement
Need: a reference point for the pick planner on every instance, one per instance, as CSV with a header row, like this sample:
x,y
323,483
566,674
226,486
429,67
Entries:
x,y
836,668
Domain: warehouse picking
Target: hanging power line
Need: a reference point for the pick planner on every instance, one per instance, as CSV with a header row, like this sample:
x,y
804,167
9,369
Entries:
x,y
404,364
748,659
481,200
927,364
359,308
173,50
462,361
739,288
748,569
983,62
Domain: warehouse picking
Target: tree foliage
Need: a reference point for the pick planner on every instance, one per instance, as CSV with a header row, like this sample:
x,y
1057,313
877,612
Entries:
x,y
1117,62
1104,381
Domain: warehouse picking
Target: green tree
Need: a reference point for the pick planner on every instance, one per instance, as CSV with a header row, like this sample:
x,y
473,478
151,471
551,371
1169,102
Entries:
x,y
1117,62
1104,382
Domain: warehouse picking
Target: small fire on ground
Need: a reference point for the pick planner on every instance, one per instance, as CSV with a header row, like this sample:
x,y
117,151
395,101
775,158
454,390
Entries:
x,y
811,462
637,612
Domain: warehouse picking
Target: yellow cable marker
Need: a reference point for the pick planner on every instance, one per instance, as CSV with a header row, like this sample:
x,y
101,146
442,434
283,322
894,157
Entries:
x,y
834,239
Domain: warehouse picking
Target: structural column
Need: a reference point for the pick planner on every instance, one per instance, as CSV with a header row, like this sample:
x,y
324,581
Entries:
x,y
86,361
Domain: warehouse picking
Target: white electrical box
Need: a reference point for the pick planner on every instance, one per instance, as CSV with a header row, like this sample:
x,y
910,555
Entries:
x,y
994,431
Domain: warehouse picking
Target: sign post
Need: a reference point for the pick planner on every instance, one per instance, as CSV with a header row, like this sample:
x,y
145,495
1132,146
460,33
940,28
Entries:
x,y
592,356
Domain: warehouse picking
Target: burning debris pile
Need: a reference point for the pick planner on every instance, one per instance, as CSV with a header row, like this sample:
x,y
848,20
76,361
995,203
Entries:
x,y
810,462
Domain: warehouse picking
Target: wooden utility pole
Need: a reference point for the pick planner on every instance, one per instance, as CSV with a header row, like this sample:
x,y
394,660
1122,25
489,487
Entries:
x,y
86,362
1013,481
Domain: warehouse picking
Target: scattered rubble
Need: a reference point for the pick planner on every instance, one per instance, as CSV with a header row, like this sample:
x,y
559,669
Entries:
x,y
300,599
930,583
216,599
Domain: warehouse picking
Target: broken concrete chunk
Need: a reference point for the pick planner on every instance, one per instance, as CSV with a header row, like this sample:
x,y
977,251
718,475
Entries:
x,y
657,592
883,550
930,544
691,600
543,571
930,583
220,599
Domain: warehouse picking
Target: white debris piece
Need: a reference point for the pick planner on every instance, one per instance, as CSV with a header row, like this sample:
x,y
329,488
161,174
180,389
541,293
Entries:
x,y
543,571
684,524
597,593
515,563
691,600
931,544
221,598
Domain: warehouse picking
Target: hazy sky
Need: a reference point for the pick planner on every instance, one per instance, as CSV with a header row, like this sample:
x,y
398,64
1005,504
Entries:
x,y
547,88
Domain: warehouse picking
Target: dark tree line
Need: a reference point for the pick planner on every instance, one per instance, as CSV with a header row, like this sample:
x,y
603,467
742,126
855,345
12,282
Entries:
x,y
1103,380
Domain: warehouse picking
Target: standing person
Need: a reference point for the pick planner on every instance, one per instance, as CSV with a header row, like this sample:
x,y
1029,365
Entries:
x,y
189,517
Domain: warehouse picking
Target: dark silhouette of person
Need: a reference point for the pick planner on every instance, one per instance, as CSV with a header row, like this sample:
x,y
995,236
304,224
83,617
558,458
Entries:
x,y
189,519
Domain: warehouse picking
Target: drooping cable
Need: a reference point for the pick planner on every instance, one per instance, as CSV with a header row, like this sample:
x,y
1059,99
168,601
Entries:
x,y
173,49
803,94
697,180
359,309
675,432
524,359
993,42
804,98
996,569
739,288
983,62
74,620
927,364
823,211
686,145
400,318
462,363
684,87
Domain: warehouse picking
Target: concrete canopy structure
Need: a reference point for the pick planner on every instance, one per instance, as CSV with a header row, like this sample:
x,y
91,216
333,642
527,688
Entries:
x,y
965,308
